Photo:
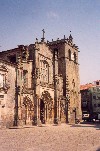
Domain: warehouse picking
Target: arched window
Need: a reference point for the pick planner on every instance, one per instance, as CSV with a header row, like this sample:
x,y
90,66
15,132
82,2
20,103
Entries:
x,y
25,78
44,71
74,57
69,54
55,54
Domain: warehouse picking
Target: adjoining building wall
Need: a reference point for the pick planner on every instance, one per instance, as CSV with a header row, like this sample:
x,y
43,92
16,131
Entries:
x,y
90,97
95,91
7,94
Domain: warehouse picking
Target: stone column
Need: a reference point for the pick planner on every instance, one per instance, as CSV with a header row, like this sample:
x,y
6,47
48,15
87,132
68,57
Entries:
x,y
20,122
55,78
59,110
36,84
38,113
39,109
45,114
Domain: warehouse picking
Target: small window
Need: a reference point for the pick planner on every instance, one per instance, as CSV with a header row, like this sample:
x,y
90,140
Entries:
x,y
98,105
69,54
95,105
1,96
74,57
94,97
55,52
73,83
97,83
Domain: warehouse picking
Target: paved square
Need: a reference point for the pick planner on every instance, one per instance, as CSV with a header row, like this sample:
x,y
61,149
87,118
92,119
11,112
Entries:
x,y
80,137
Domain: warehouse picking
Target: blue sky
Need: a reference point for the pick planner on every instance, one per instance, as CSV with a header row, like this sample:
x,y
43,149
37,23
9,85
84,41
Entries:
x,y
21,21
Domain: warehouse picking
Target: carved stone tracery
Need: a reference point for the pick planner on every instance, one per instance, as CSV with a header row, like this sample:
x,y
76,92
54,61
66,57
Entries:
x,y
48,102
28,103
46,97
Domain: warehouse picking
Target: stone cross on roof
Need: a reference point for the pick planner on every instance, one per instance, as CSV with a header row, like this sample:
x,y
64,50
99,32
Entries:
x,y
42,39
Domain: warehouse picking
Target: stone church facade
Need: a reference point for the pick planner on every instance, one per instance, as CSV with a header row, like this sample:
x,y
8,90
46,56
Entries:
x,y
44,83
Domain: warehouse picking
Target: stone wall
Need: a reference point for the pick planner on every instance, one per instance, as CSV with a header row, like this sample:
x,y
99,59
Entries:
x,y
43,68
8,93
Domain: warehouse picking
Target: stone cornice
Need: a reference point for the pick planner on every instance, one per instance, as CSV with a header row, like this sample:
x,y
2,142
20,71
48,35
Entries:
x,y
7,63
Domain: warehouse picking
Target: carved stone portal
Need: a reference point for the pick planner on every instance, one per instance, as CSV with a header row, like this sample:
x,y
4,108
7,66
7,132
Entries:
x,y
46,105
27,110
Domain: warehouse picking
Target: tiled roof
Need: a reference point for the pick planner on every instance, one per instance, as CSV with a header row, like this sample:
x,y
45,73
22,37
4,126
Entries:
x,y
86,86
89,85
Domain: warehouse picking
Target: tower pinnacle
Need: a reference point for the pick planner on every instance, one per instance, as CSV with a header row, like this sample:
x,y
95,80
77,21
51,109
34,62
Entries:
x,y
42,39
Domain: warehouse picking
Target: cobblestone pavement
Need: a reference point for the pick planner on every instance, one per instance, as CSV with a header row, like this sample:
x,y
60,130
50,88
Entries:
x,y
80,137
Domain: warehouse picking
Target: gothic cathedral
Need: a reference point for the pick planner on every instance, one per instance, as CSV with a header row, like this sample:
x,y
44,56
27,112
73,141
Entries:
x,y
40,83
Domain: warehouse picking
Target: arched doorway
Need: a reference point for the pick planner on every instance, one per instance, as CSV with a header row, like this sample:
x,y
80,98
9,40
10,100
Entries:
x,y
46,104
27,111
62,108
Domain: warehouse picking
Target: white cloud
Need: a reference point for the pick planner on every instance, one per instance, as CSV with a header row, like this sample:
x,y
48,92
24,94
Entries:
x,y
52,15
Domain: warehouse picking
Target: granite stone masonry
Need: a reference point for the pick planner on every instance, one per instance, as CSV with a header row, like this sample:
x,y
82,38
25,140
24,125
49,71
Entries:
x,y
42,83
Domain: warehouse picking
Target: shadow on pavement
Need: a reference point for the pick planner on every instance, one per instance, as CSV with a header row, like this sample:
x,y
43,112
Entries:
x,y
95,124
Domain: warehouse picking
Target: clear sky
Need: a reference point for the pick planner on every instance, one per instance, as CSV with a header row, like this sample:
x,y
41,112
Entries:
x,y
21,21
